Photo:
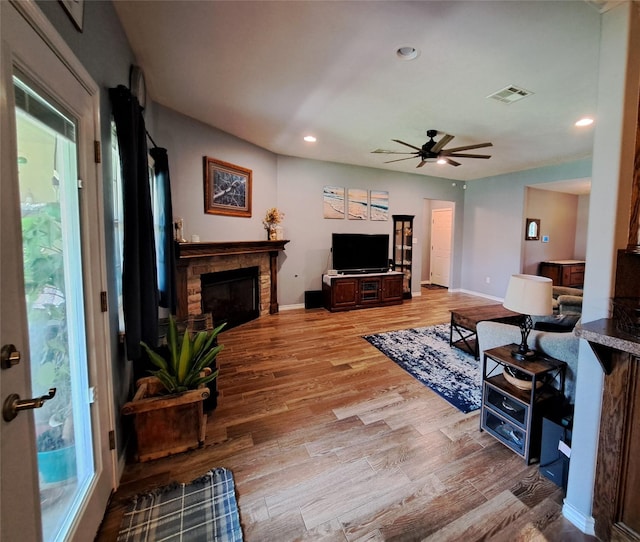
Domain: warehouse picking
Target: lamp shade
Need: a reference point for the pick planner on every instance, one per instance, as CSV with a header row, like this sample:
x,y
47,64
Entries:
x,y
529,294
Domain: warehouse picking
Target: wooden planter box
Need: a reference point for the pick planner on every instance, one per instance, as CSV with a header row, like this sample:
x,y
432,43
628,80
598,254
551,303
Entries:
x,y
166,424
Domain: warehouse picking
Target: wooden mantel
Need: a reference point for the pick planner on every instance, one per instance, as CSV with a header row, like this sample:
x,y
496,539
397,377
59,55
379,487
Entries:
x,y
188,255
221,248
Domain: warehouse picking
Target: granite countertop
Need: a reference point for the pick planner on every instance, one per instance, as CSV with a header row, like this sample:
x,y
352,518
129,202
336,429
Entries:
x,y
605,333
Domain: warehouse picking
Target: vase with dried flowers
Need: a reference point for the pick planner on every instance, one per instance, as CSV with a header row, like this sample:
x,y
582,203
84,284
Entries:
x,y
271,220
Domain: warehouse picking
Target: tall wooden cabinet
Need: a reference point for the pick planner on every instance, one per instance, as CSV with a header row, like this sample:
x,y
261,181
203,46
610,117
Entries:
x,y
403,250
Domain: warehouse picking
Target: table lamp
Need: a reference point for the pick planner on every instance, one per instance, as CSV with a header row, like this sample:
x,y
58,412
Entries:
x,y
528,295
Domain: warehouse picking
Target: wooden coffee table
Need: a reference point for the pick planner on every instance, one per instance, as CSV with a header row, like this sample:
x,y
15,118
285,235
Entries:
x,y
464,321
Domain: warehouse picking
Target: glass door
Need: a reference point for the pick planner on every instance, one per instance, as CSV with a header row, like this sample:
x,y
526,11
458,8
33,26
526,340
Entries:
x,y
55,459
53,286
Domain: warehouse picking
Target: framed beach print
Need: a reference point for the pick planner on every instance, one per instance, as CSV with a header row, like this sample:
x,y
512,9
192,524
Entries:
x,y
358,204
333,202
379,205
227,188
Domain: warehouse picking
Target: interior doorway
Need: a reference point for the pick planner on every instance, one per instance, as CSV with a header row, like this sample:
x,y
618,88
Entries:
x,y
437,248
441,226
562,211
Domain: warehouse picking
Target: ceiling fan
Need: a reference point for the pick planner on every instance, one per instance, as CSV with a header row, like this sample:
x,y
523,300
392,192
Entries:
x,y
432,150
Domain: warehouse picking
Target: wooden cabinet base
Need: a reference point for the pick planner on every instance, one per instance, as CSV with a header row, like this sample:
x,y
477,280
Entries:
x,y
166,424
349,292
563,272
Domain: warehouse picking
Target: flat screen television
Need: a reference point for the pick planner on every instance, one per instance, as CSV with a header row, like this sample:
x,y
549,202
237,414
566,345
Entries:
x,y
360,252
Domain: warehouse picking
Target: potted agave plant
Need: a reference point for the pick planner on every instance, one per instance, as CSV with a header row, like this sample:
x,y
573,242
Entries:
x,y
168,408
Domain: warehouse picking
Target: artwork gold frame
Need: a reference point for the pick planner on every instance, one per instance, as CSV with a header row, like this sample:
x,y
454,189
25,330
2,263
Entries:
x,y
227,188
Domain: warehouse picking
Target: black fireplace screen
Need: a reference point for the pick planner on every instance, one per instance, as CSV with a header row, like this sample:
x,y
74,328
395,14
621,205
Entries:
x,y
231,296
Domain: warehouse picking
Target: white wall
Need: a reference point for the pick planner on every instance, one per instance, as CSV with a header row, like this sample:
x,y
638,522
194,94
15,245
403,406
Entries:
x,y
488,221
493,243
300,185
293,185
582,227
558,214
187,142
613,155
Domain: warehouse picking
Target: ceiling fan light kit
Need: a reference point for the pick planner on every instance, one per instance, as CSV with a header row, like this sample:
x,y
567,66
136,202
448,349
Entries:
x,y
434,151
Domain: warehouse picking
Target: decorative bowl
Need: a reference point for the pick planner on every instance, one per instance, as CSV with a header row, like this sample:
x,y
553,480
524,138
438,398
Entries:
x,y
519,379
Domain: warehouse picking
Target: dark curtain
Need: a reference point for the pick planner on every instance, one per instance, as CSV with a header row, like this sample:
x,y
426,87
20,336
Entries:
x,y
139,275
166,246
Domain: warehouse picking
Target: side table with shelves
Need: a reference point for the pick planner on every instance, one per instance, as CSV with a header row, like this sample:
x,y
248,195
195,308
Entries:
x,y
514,415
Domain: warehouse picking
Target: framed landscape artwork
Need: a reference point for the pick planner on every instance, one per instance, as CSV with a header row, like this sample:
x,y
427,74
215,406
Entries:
x,y
333,202
227,188
358,204
379,204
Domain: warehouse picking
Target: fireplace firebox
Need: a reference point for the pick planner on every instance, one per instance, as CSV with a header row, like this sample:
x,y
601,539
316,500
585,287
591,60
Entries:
x,y
231,296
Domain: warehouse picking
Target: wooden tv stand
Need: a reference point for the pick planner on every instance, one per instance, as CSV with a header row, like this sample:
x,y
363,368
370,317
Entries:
x,y
348,292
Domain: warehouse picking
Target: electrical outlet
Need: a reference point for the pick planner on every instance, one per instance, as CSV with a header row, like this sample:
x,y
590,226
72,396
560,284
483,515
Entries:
x,y
487,280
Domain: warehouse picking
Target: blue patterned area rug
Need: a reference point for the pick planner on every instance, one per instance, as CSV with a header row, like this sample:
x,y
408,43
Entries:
x,y
425,353
205,509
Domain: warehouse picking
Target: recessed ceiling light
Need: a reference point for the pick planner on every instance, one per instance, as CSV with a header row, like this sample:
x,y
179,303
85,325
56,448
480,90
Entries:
x,y
407,53
310,139
586,121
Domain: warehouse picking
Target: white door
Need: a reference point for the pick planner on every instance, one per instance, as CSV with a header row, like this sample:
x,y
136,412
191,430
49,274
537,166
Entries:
x,y
440,246
56,466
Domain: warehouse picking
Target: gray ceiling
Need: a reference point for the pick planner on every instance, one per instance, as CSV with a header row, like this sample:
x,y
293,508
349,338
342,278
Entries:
x,y
270,72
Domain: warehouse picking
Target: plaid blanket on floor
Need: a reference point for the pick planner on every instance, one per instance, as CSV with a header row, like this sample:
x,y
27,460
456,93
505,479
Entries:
x,y
204,509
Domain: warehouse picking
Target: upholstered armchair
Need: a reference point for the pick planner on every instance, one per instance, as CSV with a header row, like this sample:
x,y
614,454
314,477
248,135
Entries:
x,y
567,300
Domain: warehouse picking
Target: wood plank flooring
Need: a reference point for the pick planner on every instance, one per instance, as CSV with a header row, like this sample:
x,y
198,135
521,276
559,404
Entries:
x,y
329,440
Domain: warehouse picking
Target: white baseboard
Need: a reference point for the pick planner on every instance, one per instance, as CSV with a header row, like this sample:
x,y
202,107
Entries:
x,y
292,307
585,523
479,294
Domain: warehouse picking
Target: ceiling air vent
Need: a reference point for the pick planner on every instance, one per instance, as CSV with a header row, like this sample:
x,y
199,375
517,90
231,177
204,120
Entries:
x,y
510,94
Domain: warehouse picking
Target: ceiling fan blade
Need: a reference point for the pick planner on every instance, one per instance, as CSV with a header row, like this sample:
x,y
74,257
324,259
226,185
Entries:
x,y
467,148
440,144
385,151
400,159
422,163
407,144
469,155
451,162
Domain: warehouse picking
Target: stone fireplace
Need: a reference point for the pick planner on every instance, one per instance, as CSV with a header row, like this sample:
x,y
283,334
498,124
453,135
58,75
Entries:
x,y
193,260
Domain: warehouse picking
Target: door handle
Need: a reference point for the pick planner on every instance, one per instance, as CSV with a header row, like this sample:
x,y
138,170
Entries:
x,y
9,356
13,404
